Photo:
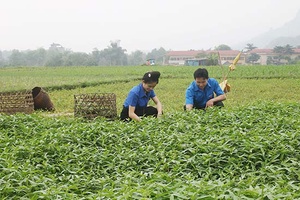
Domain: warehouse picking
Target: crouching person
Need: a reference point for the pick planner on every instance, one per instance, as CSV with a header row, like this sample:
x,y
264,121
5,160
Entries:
x,y
136,102
200,93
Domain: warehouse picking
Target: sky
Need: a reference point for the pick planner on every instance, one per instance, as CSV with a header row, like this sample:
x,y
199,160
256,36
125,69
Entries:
x,y
82,25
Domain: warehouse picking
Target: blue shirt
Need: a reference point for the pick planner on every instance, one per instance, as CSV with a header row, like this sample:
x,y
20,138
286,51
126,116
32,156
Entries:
x,y
197,97
137,97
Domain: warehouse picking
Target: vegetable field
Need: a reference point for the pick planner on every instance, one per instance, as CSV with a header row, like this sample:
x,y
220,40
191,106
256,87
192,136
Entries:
x,y
247,150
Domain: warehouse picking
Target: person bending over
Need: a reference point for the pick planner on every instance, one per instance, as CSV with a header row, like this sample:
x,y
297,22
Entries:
x,y
203,92
136,103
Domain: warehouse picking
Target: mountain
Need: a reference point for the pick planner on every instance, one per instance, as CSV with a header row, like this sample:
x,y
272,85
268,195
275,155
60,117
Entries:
x,y
282,41
289,33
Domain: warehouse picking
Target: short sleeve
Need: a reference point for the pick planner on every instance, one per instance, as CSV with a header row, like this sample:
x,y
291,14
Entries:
x,y
132,99
217,89
189,96
152,94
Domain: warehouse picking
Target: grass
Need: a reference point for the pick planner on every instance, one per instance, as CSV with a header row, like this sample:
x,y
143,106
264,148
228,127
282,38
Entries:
x,y
249,83
55,78
171,92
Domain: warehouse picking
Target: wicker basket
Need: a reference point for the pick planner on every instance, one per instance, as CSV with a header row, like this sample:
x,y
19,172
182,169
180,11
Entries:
x,y
14,102
95,104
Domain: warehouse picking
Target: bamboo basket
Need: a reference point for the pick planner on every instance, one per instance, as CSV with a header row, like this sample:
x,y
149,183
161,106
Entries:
x,y
95,105
15,102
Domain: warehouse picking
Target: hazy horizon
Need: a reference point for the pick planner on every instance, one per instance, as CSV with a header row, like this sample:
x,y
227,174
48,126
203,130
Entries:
x,y
173,25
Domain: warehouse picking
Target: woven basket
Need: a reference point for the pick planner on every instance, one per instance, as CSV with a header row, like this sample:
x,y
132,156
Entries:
x,y
14,102
94,105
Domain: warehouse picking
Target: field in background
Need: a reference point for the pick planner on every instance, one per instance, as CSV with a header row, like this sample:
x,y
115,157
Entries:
x,y
69,77
249,83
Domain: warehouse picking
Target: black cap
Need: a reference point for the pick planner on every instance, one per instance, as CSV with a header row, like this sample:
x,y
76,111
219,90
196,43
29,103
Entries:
x,y
152,76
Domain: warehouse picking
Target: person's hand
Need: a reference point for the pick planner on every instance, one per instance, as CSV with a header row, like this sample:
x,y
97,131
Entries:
x,y
210,103
159,115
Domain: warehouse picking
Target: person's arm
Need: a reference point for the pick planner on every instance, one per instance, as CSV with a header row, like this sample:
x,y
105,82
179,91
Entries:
x,y
132,115
211,102
220,95
189,107
189,99
158,106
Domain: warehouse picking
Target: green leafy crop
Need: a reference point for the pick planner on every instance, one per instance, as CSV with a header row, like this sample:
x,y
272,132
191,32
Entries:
x,y
250,152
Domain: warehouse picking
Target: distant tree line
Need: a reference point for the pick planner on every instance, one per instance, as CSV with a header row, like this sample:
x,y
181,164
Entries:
x,y
115,55
57,55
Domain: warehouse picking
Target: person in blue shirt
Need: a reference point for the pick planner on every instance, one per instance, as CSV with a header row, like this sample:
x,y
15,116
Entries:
x,y
203,92
136,103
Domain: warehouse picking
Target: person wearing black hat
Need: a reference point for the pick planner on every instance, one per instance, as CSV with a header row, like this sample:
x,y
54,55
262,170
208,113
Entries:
x,y
136,104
